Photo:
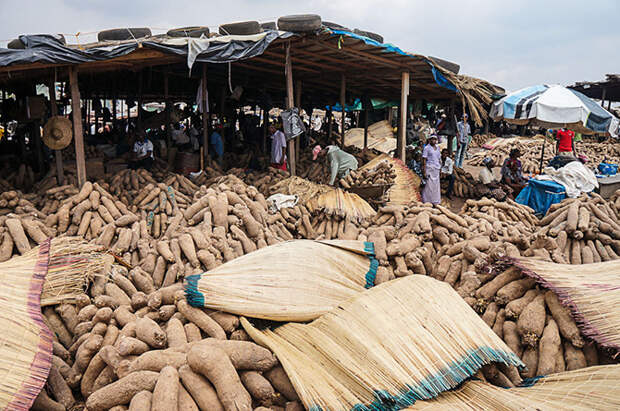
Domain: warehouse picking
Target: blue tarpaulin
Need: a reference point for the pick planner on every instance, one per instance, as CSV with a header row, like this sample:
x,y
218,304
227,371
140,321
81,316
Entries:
x,y
540,194
440,79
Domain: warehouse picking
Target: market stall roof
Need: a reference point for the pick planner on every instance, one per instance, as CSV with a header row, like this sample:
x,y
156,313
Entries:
x,y
112,69
608,89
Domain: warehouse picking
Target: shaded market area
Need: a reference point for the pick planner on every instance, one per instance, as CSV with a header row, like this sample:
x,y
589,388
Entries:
x,y
296,215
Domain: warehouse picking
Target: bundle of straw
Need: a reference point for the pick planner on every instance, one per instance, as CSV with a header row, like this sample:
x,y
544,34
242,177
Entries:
x,y
591,291
291,281
302,188
406,183
380,137
54,272
72,265
341,204
25,341
401,341
594,388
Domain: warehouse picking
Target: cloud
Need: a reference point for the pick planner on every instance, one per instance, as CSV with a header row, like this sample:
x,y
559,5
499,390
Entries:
x,y
513,44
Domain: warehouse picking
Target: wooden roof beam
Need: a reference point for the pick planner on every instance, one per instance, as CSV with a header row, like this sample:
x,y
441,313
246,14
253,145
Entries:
x,y
366,56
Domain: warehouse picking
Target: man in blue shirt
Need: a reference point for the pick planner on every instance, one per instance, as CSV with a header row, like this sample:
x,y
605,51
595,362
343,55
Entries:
x,y
217,146
463,131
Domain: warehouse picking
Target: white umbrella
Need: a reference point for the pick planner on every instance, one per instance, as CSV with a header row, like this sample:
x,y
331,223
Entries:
x,y
553,106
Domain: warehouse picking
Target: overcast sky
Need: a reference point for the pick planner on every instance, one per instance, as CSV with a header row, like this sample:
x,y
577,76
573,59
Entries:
x,y
510,43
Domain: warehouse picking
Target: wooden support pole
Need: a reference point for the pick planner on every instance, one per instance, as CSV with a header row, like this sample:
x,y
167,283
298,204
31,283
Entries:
x,y
330,122
365,127
298,105
265,129
343,93
139,120
78,134
451,121
87,105
60,176
96,116
167,110
4,123
603,97
290,146
608,105
205,115
402,131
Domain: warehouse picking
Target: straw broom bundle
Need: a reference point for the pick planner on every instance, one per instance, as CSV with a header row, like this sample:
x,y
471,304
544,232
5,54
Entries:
x,y
342,204
278,283
72,265
404,189
25,341
584,389
589,290
343,359
300,187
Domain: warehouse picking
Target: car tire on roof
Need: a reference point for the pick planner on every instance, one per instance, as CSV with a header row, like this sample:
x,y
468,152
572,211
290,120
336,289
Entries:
x,y
448,65
369,34
124,34
335,26
300,23
192,31
15,44
270,25
243,28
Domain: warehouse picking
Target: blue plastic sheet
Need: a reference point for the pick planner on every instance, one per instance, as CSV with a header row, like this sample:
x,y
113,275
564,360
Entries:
x,y
540,194
440,79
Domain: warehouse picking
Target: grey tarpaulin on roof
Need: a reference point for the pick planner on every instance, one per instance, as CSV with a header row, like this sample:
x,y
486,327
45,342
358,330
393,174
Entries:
x,y
224,49
48,49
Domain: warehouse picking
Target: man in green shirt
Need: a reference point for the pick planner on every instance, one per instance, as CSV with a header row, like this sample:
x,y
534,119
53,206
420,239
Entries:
x,y
340,162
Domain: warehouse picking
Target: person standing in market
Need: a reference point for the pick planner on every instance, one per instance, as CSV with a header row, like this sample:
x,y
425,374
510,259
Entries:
x,y
447,171
278,148
217,146
340,162
463,132
431,168
565,145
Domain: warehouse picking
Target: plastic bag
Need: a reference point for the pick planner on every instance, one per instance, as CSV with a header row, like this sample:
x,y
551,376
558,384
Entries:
x,y
292,125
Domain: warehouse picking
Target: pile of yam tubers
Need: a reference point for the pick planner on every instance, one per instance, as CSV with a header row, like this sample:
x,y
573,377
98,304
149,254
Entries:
x,y
128,344
132,341
382,174
464,184
585,229
532,322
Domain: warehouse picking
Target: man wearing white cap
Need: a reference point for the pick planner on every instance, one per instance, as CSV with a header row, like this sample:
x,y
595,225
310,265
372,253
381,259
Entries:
x,y
340,162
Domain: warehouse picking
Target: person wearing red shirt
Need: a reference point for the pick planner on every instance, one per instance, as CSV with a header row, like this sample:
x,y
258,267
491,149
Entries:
x,y
566,142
